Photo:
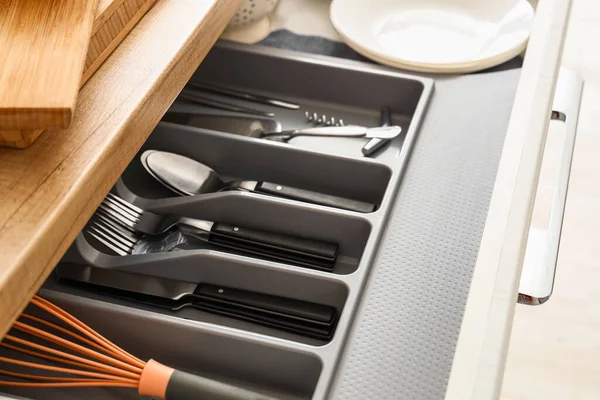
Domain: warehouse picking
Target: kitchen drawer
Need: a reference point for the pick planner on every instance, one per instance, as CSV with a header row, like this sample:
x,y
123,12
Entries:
x,y
427,297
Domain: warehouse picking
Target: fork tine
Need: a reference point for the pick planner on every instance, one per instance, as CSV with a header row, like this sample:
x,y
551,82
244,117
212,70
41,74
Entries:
x,y
108,242
119,233
106,215
115,216
134,209
133,215
113,237
118,215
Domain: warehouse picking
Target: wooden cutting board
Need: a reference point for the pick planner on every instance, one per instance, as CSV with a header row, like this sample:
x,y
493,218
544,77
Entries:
x,y
113,21
43,46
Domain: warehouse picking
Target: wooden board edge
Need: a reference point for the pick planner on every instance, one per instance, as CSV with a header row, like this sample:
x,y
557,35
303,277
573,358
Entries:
x,y
22,139
38,259
56,112
480,356
104,13
114,42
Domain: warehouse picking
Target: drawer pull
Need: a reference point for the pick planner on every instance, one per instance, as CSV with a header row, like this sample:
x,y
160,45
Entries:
x,y
541,254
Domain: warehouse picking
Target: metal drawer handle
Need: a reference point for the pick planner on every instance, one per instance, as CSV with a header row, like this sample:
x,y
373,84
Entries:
x,y
541,254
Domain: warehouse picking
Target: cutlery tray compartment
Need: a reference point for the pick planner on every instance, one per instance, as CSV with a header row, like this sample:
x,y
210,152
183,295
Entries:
x,y
218,353
221,272
241,158
351,91
304,78
350,233
280,362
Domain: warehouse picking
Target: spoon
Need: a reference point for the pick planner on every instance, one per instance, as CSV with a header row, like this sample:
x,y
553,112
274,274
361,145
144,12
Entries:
x,y
188,177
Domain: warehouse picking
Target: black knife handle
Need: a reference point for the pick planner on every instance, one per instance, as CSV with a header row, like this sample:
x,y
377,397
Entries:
x,y
278,242
314,197
291,308
303,318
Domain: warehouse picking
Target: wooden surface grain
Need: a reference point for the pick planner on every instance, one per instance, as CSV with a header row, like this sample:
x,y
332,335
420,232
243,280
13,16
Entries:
x,y
44,44
49,190
483,340
112,25
114,20
554,348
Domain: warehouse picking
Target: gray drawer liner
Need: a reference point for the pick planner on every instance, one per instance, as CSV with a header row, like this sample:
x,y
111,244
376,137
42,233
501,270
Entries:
x,y
402,343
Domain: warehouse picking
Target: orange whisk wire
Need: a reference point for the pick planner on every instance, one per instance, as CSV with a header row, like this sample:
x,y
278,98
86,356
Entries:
x,y
72,346
93,351
68,370
80,326
73,335
83,328
68,384
50,358
48,378
100,366
86,330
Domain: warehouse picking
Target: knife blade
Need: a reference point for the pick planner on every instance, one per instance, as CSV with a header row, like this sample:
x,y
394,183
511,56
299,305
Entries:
x,y
243,95
218,104
239,125
297,316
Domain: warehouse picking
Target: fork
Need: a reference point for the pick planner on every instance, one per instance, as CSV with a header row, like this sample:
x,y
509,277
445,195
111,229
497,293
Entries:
x,y
119,225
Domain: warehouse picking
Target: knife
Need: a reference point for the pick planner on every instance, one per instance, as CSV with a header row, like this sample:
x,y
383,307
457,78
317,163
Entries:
x,y
243,95
296,316
222,105
239,125
270,129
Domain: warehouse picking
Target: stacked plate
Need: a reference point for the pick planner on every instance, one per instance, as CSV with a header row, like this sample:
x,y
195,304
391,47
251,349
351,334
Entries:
x,y
439,36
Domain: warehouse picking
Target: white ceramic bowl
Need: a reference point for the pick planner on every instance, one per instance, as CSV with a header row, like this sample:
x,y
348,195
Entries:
x,y
435,35
252,11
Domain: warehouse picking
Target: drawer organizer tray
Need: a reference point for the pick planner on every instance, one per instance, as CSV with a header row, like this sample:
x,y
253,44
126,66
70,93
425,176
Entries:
x,y
279,362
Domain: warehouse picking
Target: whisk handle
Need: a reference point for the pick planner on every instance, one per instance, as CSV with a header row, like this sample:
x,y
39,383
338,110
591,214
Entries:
x,y
184,386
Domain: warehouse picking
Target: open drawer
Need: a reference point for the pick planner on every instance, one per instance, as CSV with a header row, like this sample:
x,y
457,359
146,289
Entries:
x,y
425,284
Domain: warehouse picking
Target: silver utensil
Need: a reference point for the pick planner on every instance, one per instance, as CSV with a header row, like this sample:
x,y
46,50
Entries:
x,y
243,95
207,101
135,220
382,132
376,144
316,119
118,225
259,127
252,126
188,177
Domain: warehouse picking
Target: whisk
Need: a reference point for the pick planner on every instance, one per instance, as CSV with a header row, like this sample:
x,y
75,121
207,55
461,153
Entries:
x,y
92,361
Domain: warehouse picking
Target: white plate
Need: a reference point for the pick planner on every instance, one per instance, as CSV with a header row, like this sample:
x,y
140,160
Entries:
x,y
435,35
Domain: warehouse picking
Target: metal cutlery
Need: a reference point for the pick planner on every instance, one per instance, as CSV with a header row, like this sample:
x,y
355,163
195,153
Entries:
x,y
248,127
119,223
243,95
296,316
316,119
210,102
375,144
188,177
382,132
